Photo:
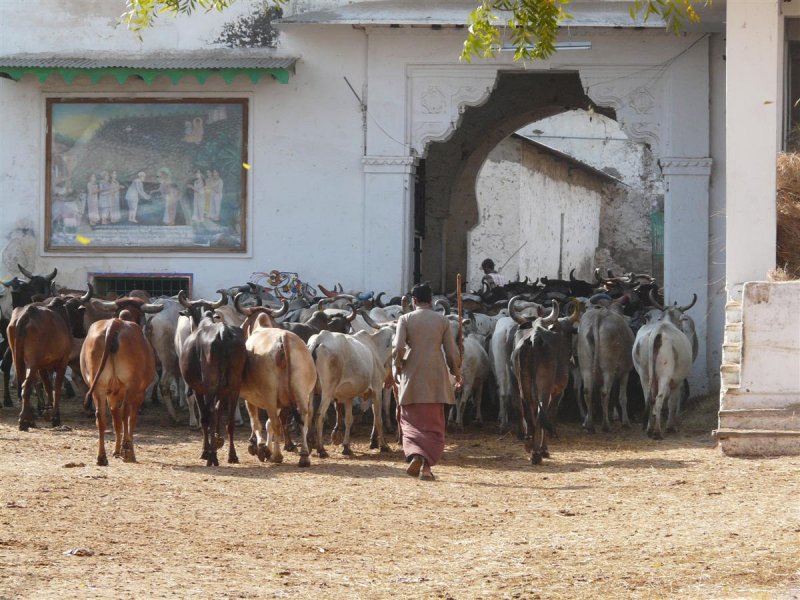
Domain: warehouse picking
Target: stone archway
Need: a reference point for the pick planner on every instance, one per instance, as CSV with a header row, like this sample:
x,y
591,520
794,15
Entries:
x,y
451,167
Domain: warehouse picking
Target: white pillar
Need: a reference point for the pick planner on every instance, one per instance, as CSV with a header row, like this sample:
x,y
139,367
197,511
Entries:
x,y
388,223
754,58
686,249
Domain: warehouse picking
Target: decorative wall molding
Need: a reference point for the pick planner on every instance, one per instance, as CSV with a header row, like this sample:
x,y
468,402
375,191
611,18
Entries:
x,y
439,95
636,95
389,164
695,166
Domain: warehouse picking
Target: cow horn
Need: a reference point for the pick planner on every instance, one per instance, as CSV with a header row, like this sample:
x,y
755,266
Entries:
x,y
512,311
326,291
597,276
339,289
8,283
443,304
152,309
275,313
353,313
690,305
346,297
405,304
553,316
107,305
572,275
52,275
88,295
25,271
378,302
183,300
237,304
368,320
575,313
221,302
324,301
654,301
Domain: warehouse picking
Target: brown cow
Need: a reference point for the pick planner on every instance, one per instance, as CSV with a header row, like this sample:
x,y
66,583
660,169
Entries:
x,y
40,342
118,364
280,375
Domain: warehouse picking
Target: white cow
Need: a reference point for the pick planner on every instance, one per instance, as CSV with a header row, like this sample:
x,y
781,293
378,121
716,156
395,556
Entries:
x,y
662,355
476,370
350,366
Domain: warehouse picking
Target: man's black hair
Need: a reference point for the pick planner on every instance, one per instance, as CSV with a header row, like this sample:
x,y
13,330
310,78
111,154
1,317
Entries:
x,y
422,293
487,264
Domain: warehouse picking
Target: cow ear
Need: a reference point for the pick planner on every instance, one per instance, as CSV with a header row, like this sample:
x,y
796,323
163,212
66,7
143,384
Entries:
x,y
183,313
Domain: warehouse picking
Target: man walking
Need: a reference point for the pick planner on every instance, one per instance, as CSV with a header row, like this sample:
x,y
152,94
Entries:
x,y
422,372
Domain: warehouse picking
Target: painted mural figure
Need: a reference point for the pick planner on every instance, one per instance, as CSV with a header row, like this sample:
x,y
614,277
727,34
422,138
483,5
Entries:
x,y
104,198
92,190
171,195
216,196
134,193
114,197
198,205
208,192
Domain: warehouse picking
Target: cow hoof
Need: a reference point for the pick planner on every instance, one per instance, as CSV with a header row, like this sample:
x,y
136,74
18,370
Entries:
x,y
290,446
346,451
385,449
536,458
219,442
116,454
606,428
233,460
657,436
252,449
205,455
322,454
56,421
212,461
25,425
337,437
304,461
373,444
276,458
626,425
479,424
672,430
545,454
528,445
129,457
102,461
263,453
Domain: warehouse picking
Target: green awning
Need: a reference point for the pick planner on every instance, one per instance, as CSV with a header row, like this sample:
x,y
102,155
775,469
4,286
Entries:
x,y
148,69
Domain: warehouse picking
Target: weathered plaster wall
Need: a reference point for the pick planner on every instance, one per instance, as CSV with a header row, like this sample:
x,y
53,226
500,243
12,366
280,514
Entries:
x,y
625,236
522,194
552,188
498,233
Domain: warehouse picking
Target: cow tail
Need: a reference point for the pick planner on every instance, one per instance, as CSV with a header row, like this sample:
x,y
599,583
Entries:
x,y
655,346
594,340
110,347
16,349
284,361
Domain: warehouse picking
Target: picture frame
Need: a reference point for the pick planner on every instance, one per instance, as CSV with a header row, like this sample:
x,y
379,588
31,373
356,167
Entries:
x,y
146,175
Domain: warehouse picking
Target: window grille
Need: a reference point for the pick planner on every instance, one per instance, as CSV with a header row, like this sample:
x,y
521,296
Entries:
x,y
155,284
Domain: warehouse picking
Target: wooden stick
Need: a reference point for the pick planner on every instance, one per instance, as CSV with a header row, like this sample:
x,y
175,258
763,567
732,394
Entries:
x,y
460,310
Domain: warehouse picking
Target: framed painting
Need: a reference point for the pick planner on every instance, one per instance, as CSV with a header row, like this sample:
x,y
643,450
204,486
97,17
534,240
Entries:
x,y
146,175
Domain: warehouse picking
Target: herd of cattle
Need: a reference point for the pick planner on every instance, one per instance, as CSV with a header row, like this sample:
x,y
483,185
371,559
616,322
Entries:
x,y
294,360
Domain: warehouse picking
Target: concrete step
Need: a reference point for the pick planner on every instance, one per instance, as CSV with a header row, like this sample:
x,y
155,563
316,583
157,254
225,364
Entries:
x,y
733,333
757,419
731,375
731,353
758,442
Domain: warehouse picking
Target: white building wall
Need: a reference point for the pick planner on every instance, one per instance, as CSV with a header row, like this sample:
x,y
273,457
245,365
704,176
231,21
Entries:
x,y
305,185
497,235
522,195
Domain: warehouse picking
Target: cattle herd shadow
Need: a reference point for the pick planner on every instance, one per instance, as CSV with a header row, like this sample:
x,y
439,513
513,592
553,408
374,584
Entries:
x,y
481,448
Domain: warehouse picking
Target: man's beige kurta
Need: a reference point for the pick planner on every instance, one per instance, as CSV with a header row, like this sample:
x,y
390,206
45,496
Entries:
x,y
424,376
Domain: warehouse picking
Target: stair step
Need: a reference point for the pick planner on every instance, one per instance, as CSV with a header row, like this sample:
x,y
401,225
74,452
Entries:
x,y
758,442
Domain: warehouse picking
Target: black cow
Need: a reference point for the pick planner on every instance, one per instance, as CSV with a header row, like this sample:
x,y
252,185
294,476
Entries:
x,y
212,363
542,349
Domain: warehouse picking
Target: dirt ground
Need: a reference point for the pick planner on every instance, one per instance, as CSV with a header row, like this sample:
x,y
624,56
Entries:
x,y
609,516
